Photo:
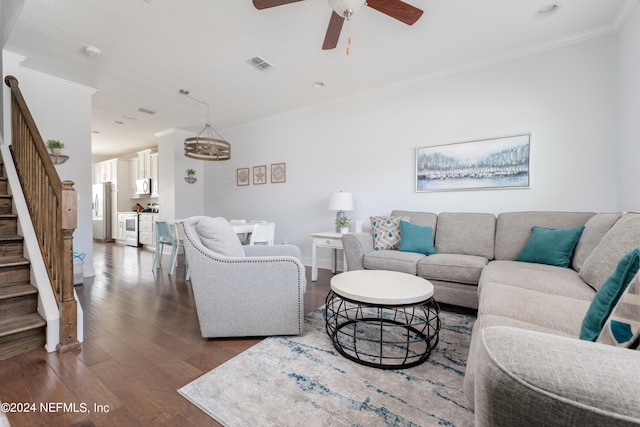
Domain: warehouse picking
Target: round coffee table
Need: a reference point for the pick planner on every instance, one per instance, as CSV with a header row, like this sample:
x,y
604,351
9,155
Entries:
x,y
383,319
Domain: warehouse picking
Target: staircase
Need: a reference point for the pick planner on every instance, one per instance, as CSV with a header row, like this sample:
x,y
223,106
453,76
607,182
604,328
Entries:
x,y
22,329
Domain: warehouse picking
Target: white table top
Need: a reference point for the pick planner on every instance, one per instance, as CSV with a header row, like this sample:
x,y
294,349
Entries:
x,y
242,228
382,287
327,234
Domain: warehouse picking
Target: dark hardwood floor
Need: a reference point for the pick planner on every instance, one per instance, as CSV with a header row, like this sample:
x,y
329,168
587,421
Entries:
x,y
141,343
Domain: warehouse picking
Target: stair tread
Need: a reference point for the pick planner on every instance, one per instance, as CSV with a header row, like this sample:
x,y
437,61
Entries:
x,y
13,262
23,323
12,291
11,237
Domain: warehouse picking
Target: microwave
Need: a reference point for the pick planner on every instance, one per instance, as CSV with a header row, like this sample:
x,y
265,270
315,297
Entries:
x,y
143,186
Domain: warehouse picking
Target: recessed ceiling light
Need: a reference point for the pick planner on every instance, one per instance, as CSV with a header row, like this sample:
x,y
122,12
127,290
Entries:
x,y
146,110
317,84
118,122
132,117
547,11
95,131
92,51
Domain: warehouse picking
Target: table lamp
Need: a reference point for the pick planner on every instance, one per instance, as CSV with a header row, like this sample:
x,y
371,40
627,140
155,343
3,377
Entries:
x,y
340,202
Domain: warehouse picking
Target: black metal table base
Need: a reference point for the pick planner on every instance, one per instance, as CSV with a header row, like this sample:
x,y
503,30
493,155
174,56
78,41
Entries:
x,y
382,336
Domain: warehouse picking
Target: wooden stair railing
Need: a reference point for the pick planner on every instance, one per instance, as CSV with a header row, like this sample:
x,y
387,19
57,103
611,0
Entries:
x,y
52,205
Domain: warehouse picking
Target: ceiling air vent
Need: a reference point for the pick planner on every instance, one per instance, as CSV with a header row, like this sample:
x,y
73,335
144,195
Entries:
x,y
259,63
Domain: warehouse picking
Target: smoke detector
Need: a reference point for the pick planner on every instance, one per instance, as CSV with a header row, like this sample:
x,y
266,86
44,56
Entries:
x,y
92,51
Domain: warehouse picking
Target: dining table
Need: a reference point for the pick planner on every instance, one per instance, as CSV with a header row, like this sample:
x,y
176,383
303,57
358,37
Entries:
x,y
242,228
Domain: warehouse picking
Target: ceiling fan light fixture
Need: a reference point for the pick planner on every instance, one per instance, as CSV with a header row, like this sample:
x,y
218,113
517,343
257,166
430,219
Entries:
x,y
346,8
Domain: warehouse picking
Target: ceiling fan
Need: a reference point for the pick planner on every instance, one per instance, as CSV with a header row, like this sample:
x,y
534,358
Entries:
x,y
344,9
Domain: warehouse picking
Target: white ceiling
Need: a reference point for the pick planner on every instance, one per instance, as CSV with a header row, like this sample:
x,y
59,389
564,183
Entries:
x,y
153,48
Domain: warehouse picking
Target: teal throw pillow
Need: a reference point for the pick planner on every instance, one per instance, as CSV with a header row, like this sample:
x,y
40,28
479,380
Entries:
x,y
552,246
608,295
416,238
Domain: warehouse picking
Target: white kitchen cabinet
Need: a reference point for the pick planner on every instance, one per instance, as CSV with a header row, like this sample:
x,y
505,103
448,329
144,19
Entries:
x,y
144,164
147,228
133,176
106,171
154,174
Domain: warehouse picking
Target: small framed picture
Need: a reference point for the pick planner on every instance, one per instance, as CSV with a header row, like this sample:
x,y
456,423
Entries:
x,y
278,173
242,176
259,175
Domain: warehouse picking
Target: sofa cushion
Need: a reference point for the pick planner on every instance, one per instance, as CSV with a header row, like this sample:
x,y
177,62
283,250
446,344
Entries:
x,y
404,262
594,230
454,293
466,233
427,219
217,235
527,378
609,294
622,328
416,238
514,228
537,277
452,268
554,312
386,232
623,237
488,321
553,246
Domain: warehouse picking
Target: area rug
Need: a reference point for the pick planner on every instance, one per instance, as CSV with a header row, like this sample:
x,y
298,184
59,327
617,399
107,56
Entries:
x,y
303,381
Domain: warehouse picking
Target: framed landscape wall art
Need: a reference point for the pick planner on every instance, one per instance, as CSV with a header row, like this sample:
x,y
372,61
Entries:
x,y
495,163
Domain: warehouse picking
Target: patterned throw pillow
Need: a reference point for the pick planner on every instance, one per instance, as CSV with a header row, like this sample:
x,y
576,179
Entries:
x,y
622,328
386,232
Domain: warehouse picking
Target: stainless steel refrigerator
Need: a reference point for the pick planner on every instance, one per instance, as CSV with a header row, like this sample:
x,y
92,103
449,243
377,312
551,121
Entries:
x,y
101,212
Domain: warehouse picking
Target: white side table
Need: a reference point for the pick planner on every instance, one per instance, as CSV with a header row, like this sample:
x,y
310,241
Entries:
x,y
326,239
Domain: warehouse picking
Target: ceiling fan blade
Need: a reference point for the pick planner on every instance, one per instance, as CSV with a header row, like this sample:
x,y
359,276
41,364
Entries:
x,y
265,4
333,31
397,9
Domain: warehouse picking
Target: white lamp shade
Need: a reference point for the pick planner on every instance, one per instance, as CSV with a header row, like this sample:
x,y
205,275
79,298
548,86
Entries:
x,y
341,6
341,201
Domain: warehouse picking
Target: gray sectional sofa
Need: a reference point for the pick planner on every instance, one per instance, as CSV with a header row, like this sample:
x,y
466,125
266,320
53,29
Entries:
x,y
526,365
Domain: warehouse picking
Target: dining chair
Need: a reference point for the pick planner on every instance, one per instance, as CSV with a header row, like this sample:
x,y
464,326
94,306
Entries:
x,y
179,239
247,237
263,234
244,237
164,237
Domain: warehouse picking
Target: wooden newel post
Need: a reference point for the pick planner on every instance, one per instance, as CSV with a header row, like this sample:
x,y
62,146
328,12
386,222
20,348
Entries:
x,y
68,304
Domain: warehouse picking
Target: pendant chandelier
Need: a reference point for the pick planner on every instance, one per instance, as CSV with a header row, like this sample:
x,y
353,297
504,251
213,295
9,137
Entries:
x,y
208,144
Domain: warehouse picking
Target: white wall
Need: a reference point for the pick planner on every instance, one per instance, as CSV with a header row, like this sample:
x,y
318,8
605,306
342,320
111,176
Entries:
x,y
9,12
62,110
178,199
629,87
566,97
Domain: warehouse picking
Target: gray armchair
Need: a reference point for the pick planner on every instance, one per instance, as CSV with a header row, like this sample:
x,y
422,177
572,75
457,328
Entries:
x,y
242,291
